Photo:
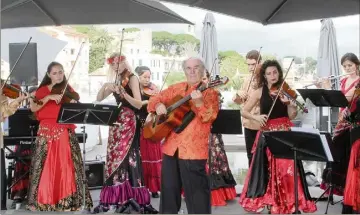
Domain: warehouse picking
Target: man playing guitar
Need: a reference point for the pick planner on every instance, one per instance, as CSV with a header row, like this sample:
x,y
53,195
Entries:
x,y
185,153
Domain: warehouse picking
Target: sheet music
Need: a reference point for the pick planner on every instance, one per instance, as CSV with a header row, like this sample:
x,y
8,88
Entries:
x,y
305,129
323,139
326,147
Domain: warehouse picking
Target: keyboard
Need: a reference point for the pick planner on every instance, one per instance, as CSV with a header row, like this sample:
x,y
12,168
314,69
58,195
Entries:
x,y
13,141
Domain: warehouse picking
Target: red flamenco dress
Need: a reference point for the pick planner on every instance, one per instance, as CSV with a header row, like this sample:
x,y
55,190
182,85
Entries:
x,y
151,157
222,181
271,181
341,144
124,190
56,172
352,186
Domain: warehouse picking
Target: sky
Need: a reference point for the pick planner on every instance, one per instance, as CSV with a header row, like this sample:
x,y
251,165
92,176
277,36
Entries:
x,y
300,38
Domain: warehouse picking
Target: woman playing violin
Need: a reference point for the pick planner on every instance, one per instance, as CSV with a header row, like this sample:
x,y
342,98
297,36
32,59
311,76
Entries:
x,y
276,189
124,188
351,64
341,135
7,108
56,179
150,150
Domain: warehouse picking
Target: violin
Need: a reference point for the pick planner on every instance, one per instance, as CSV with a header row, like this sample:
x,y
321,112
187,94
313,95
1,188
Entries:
x,y
13,91
290,94
125,77
150,90
68,95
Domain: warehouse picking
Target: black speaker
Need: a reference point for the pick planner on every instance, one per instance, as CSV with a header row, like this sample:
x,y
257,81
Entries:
x,y
26,70
95,173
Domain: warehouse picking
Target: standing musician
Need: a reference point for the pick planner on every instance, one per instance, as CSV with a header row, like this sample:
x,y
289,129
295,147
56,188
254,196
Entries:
x,y
221,179
124,188
341,135
276,190
150,150
251,126
56,172
6,109
351,204
185,154
20,188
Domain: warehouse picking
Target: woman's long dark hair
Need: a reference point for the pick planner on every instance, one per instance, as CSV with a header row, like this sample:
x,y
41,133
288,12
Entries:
x,y
262,80
140,70
47,80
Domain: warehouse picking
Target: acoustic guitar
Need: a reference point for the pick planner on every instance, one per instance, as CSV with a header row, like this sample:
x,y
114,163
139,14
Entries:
x,y
157,127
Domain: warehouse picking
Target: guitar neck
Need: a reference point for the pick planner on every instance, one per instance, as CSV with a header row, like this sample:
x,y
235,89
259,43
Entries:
x,y
182,101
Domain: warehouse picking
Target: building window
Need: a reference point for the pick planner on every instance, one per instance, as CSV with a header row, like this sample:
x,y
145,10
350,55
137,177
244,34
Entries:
x,y
133,62
140,62
158,76
72,51
131,51
138,51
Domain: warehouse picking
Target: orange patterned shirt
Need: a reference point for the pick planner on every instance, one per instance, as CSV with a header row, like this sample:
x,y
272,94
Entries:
x,y
193,142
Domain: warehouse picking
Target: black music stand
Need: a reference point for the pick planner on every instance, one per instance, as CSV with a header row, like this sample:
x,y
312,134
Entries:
x,y
227,122
324,98
87,113
298,145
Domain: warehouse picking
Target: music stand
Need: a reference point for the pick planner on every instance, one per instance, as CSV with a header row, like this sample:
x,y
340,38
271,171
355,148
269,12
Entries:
x,y
325,98
298,145
87,113
226,122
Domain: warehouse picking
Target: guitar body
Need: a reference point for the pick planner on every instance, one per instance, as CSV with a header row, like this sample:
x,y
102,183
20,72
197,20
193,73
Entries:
x,y
157,128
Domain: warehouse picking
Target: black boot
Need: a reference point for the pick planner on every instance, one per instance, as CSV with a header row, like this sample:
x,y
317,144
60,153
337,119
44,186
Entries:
x,y
148,209
155,195
135,205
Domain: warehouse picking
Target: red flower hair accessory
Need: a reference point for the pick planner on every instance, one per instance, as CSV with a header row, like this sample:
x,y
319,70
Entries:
x,y
115,59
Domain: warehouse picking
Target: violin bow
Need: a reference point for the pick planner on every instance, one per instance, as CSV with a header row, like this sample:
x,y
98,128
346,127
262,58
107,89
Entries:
x,y
16,62
118,76
256,65
167,75
282,84
72,69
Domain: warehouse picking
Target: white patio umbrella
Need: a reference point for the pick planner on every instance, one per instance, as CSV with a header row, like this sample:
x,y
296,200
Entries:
x,y
208,45
328,65
328,58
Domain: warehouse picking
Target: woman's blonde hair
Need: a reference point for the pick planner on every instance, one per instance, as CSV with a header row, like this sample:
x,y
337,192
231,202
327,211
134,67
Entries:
x,y
111,74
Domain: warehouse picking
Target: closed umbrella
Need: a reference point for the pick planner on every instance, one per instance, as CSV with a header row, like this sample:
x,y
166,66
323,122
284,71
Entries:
x,y
328,65
328,58
208,45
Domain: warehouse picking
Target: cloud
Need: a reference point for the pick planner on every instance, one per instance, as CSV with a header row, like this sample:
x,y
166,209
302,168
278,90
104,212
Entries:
x,y
299,38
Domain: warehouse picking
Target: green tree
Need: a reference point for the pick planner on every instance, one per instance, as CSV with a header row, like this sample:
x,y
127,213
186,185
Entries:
x,y
170,44
100,41
310,65
132,29
174,77
232,64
